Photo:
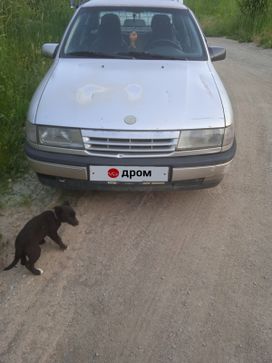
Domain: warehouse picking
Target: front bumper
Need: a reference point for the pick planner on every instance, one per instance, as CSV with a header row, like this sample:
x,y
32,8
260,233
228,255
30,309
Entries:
x,y
72,171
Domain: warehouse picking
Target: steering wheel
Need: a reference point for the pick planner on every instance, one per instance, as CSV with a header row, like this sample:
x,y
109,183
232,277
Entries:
x,y
164,42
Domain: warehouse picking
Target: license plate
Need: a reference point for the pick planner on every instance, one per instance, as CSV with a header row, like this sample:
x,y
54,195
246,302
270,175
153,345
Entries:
x,y
129,174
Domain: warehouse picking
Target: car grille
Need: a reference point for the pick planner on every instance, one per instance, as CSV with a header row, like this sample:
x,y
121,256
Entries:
x,y
130,144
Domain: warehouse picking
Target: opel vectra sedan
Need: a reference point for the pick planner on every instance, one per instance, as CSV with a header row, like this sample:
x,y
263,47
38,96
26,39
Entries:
x,y
131,101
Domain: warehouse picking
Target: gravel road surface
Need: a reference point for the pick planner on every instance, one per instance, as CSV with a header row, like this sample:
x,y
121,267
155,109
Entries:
x,y
182,277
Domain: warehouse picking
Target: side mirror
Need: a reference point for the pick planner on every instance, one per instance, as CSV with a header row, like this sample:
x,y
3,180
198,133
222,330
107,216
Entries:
x,y
72,4
49,50
217,53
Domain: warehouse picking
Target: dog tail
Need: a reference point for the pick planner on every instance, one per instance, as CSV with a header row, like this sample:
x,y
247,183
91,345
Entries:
x,y
13,263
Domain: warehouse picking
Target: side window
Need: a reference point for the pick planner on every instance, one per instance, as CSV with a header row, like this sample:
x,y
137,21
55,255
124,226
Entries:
x,y
193,38
74,35
187,35
83,33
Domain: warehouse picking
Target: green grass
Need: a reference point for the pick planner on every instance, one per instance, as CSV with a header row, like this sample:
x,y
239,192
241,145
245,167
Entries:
x,y
24,26
224,18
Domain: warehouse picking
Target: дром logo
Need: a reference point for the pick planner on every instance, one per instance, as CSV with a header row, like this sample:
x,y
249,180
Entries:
x,y
113,173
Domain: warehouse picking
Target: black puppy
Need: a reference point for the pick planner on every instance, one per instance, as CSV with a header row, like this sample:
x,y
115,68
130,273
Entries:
x,y
33,233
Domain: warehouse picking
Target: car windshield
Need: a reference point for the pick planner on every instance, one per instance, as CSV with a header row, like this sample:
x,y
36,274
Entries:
x,y
134,33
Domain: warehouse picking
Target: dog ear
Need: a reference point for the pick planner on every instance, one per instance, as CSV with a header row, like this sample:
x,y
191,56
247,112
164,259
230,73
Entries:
x,y
66,203
58,211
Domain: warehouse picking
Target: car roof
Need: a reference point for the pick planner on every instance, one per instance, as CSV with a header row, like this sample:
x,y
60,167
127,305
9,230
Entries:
x,y
177,4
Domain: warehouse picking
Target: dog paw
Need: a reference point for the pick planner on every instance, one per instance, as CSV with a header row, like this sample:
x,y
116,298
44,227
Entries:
x,y
63,247
41,271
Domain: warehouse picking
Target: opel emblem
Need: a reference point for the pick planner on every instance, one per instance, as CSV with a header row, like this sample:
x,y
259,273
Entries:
x,y
130,120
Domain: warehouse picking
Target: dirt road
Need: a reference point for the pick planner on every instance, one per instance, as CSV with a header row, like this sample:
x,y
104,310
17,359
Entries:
x,y
161,277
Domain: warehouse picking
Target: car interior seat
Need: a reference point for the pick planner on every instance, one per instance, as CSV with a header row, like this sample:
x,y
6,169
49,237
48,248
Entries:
x,y
161,29
109,37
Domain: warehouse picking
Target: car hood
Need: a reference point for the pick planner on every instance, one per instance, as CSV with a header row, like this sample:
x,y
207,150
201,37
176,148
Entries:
x,y
101,94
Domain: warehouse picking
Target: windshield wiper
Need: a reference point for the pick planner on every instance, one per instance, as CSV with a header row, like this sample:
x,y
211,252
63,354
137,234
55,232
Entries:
x,y
89,54
147,55
123,55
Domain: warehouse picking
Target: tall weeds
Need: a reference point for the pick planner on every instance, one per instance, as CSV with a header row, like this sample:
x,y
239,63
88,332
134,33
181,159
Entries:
x,y
253,7
24,26
245,20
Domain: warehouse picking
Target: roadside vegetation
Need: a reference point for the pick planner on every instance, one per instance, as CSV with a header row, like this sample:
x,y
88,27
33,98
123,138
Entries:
x,y
26,24
244,20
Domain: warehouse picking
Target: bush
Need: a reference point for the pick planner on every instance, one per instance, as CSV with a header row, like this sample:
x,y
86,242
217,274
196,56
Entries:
x,y
253,7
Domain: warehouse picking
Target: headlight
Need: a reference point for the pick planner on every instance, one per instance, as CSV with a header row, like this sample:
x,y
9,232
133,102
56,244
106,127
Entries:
x,y
60,137
31,132
200,139
228,137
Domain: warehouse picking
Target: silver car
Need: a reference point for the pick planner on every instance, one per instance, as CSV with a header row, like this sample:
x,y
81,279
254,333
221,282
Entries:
x,y
131,101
